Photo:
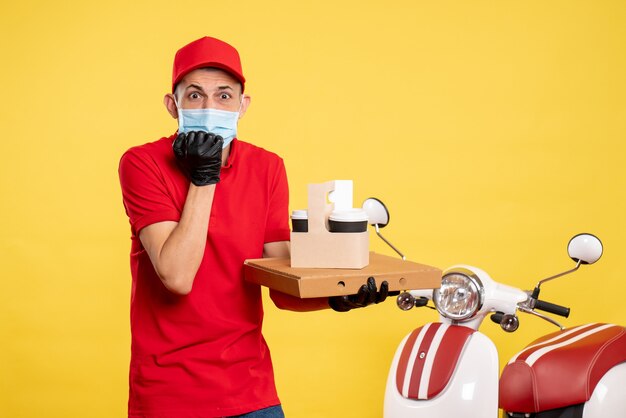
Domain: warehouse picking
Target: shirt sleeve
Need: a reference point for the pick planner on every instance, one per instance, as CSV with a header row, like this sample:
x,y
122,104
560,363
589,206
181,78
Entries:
x,y
144,192
277,226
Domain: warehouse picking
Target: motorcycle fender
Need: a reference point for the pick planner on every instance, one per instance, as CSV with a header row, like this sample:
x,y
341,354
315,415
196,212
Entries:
x,y
422,381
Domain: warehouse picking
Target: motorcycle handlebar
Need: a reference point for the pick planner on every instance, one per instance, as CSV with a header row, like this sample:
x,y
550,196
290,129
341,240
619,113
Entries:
x,y
552,308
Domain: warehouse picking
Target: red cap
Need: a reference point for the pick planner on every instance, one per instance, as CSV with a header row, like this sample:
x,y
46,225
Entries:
x,y
207,52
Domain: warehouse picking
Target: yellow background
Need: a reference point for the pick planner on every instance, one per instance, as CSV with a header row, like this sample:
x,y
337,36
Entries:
x,y
494,131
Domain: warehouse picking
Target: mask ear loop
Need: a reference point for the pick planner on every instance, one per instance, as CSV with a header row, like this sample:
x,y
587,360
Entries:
x,y
243,96
181,124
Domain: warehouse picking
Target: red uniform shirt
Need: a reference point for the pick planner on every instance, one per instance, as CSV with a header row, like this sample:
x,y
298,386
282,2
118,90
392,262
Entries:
x,y
203,355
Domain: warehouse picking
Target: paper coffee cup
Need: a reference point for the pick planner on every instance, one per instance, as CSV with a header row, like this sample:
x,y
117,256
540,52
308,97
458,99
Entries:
x,y
299,221
349,220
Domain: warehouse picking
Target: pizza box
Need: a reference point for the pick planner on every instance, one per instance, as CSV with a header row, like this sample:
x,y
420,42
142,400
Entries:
x,y
277,274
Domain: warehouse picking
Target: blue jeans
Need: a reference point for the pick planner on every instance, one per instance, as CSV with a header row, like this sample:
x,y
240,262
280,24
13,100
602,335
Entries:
x,y
271,412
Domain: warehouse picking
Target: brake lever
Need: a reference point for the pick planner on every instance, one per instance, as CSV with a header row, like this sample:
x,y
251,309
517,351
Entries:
x,y
524,308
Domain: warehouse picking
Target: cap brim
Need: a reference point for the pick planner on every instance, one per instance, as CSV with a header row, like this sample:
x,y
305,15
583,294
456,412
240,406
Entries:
x,y
211,64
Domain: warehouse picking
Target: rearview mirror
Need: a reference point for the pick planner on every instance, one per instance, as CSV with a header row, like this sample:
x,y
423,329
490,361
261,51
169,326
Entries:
x,y
377,213
378,217
585,248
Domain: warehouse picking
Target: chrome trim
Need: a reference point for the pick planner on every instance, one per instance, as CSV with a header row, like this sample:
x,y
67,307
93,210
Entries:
x,y
475,281
559,275
376,226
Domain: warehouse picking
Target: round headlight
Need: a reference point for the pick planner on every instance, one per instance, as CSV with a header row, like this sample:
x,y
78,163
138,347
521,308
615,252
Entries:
x,y
460,295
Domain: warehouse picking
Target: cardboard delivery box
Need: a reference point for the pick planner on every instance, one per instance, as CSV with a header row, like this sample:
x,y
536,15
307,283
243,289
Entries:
x,y
277,273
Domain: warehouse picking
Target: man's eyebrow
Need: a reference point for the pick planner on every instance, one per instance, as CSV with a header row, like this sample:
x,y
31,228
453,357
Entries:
x,y
199,87
194,86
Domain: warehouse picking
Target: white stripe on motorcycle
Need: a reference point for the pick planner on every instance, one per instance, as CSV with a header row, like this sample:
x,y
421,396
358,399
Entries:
x,y
412,357
534,357
558,337
430,358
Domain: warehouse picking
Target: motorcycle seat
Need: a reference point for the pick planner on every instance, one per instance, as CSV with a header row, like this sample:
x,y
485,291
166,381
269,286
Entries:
x,y
562,368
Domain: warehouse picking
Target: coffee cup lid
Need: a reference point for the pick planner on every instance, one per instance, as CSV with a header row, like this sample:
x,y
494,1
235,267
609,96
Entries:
x,y
299,214
348,215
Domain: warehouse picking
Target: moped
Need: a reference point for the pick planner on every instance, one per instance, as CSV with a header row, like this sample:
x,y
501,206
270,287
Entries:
x,y
450,369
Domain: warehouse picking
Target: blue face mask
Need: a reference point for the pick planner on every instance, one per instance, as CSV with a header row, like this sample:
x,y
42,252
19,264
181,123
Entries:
x,y
218,122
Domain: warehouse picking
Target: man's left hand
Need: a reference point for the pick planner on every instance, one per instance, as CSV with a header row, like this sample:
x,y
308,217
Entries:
x,y
367,295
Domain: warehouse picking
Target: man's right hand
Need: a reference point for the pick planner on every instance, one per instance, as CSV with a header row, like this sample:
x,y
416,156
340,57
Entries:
x,y
367,295
200,156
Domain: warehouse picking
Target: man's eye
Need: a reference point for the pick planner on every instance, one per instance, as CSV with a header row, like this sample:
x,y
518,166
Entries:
x,y
225,96
194,96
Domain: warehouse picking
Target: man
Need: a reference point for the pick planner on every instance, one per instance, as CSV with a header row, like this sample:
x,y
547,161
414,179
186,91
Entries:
x,y
200,202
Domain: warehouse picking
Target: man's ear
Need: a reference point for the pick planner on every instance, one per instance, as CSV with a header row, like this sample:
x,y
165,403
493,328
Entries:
x,y
170,105
244,105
